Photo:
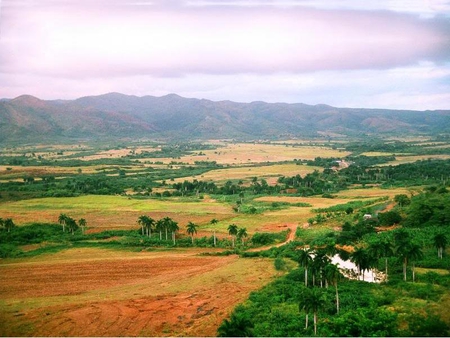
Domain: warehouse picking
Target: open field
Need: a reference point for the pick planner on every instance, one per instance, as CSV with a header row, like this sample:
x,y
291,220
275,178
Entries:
x,y
114,212
268,172
249,153
95,292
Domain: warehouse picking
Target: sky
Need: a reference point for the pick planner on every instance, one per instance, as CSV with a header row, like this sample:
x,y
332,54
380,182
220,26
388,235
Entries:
x,y
391,54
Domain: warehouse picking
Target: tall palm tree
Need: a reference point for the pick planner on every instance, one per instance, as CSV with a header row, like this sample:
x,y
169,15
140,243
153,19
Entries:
x,y
82,223
213,223
409,251
312,300
159,226
173,227
440,242
241,234
333,274
167,221
191,230
62,220
361,259
319,262
141,221
233,230
382,249
71,225
305,259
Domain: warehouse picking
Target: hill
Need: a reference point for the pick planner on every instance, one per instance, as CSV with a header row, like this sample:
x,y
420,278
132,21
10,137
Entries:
x,y
28,119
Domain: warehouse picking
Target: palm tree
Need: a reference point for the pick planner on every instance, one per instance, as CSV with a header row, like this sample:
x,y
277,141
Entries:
x,y
332,274
2,223
82,223
141,221
440,242
8,224
312,300
360,258
62,220
159,226
387,250
147,223
173,227
305,259
233,230
409,251
242,233
191,230
167,221
319,262
71,225
213,223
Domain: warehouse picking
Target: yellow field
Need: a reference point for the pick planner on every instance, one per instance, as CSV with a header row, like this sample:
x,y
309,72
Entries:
x,y
374,192
414,158
266,172
248,153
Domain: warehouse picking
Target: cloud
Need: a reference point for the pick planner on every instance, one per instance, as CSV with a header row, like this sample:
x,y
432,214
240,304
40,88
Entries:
x,y
114,41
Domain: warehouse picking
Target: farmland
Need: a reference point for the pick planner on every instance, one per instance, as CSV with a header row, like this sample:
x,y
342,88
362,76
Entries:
x,y
114,277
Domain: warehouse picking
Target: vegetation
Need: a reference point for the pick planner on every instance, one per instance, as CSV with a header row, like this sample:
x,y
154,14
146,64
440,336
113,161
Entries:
x,y
397,236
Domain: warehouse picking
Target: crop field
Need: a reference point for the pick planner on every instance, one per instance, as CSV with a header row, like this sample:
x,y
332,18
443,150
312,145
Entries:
x,y
97,292
267,172
114,212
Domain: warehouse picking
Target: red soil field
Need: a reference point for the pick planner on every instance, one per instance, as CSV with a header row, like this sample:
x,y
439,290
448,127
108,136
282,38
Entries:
x,y
94,292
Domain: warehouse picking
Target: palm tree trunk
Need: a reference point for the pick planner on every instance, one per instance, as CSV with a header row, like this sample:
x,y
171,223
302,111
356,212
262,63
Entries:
x,y
404,269
315,323
306,277
337,298
386,267
214,237
166,234
413,272
306,322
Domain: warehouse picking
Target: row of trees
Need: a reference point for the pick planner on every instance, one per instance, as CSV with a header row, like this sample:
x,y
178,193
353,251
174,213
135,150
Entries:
x,y
71,224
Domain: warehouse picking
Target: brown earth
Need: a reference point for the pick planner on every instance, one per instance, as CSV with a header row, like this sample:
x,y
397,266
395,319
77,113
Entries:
x,y
94,292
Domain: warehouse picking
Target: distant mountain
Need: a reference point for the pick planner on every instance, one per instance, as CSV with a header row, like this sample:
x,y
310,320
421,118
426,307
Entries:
x,y
28,119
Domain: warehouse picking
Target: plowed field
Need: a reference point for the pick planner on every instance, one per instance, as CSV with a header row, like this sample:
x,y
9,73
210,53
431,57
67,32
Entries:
x,y
94,292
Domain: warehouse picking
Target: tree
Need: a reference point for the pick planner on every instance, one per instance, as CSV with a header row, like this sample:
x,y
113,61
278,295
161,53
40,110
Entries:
x,y
82,223
241,234
332,274
173,227
146,223
233,230
62,220
8,224
238,326
159,226
409,252
440,242
361,260
191,230
2,223
312,300
402,200
213,223
305,259
71,225
382,249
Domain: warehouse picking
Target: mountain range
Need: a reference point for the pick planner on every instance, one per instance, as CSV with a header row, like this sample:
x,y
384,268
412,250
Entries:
x,y
27,119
